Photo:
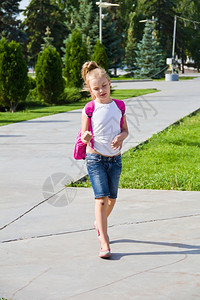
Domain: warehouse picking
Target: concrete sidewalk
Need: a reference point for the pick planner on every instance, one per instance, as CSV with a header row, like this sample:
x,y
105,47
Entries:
x,y
48,246
52,253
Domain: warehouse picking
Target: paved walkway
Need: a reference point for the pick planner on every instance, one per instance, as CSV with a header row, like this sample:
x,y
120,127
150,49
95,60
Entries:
x,y
48,245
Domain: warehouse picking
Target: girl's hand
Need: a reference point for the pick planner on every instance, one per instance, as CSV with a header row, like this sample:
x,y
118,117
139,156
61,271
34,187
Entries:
x,y
117,142
86,137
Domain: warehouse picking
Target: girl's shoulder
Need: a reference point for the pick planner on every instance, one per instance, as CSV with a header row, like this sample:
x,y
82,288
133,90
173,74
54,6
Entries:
x,y
120,104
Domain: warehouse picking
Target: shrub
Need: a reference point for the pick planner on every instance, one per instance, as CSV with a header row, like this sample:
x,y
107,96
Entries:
x,y
100,55
76,55
49,81
71,95
14,84
32,82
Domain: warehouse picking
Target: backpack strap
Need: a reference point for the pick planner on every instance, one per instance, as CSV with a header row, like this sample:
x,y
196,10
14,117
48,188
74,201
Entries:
x,y
89,109
121,105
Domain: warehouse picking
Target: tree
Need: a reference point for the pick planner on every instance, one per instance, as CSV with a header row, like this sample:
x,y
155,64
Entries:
x,y
84,19
149,60
40,14
76,55
49,81
113,43
9,25
14,85
130,54
100,55
163,12
48,40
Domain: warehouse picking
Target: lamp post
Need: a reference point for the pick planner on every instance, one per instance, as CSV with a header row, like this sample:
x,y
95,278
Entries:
x,y
102,5
173,46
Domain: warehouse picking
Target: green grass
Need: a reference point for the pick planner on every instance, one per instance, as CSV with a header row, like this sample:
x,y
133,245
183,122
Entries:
x,y
161,79
169,160
32,113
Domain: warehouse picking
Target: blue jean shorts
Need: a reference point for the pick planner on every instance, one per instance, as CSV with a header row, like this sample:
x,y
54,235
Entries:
x,y
104,173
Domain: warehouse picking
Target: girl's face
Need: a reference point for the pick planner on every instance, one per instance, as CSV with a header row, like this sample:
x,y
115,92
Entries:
x,y
100,88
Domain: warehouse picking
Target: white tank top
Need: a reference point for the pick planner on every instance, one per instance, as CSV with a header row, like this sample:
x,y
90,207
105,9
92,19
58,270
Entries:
x,y
105,125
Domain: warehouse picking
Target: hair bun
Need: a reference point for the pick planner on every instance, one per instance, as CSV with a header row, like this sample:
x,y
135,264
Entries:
x,y
87,67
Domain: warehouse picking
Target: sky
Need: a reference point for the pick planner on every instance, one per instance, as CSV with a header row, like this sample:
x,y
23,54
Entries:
x,y
23,5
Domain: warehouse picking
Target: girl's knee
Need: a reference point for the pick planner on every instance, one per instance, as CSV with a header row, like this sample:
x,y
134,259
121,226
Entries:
x,y
102,201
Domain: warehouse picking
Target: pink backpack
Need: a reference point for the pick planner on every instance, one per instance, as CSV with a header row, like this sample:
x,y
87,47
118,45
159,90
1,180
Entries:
x,y
80,147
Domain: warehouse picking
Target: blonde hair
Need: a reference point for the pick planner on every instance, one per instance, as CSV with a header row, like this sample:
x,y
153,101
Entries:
x,y
91,69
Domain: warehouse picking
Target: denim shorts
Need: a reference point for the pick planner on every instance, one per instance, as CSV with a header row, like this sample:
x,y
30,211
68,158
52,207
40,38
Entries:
x,y
104,173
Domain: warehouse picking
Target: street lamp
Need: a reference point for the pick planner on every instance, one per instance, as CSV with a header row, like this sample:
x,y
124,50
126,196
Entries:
x,y
102,5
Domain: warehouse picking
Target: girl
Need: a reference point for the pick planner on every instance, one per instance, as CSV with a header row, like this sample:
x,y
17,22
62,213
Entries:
x,y
103,160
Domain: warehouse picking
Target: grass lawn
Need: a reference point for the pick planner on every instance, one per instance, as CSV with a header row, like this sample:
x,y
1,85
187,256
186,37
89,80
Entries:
x,y
19,116
170,160
131,78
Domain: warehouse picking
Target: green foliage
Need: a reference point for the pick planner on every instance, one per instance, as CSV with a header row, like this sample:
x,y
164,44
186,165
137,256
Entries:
x,y
76,55
112,40
39,15
163,12
84,19
14,83
130,54
100,55
149,60
32,82
71,95
9,25
49,81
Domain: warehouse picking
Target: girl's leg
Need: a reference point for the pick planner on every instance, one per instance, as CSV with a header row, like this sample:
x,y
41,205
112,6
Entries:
x,y
101,219
111,203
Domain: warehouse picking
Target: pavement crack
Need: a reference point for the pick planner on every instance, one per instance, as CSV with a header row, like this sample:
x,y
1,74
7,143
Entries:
x,y
30,281
29,210
130,276
90,229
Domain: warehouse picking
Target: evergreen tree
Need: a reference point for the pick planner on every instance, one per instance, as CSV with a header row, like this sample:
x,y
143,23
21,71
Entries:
x,y
100,55
130,54
113,43
163,12
149,60
48,40
84,19
14,83
9,25
40,14
76,55
49,81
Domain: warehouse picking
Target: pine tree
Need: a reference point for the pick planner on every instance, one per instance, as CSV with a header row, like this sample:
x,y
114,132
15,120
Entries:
x,y
40,14
49,81
130,54
163,12
149,59
85,20
76,55
14,84
100,55
9,25
113,43
48,40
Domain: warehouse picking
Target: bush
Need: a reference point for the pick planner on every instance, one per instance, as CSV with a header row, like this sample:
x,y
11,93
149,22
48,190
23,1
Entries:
x,y
71,95
100,56
76,55
14,83
49,81
32,82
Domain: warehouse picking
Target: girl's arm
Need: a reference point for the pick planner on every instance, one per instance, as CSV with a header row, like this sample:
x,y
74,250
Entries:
x,y
85,134
118,140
